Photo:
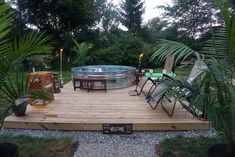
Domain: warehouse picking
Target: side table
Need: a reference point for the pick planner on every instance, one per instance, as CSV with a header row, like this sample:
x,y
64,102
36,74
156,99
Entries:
x,y
138,76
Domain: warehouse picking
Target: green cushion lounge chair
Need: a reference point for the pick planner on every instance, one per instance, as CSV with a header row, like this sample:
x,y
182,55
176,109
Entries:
x,y
161,91
168,67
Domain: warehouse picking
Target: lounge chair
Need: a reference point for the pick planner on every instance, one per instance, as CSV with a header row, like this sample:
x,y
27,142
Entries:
x,y
154,78
156,96
168,69
163,93
140,86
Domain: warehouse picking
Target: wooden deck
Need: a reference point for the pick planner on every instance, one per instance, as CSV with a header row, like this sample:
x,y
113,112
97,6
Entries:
x,y
80,110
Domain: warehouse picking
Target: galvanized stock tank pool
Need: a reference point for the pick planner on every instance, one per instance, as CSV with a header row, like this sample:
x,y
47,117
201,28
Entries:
x,y
117,76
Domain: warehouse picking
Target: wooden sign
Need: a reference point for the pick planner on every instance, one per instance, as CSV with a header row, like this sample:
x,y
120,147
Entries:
x,y
117,128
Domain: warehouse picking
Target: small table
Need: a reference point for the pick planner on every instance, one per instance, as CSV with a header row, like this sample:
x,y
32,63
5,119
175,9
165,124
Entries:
x,y
89,83
138,76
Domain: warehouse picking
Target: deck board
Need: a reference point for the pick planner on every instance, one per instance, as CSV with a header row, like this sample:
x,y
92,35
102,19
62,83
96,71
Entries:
x,y
80,110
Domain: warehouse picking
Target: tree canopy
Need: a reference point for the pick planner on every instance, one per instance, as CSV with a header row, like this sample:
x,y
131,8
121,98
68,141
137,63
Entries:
x,y
97,22
131,14
193,17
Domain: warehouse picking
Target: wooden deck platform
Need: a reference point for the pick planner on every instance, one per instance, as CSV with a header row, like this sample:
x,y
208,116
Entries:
x,y
80,110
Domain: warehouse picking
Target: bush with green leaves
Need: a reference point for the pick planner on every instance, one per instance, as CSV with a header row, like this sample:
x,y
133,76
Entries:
x,y
123,50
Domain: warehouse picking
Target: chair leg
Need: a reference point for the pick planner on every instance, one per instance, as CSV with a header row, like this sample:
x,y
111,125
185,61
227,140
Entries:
x,y
170,114
156,105
190,109
150,90
141,89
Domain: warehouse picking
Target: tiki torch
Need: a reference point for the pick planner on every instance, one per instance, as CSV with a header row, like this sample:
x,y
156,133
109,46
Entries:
x,y
61,64
140,58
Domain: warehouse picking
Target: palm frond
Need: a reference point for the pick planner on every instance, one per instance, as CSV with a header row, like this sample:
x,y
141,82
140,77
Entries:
x,y
217,97
229,21
5,20
81,49
166,47
30,44
41,94
4,111
218,47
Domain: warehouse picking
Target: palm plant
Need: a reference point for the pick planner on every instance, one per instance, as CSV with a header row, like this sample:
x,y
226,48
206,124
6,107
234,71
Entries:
x,y
12,52
216,92
81,50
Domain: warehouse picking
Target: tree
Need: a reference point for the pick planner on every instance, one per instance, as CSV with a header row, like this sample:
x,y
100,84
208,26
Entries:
x,y
193,17
106,16
60,18
158,28
106,22
56,16
154,29
131,12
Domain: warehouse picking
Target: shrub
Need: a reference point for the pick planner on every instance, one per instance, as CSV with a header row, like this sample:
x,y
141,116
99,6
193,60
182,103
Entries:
x,y
123,50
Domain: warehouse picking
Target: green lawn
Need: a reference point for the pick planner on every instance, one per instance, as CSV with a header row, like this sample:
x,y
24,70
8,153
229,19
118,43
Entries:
x,y
187,147
42,147
67,76
181,72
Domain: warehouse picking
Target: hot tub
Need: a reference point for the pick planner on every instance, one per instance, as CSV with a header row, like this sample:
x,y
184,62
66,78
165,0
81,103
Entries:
x,y
117,76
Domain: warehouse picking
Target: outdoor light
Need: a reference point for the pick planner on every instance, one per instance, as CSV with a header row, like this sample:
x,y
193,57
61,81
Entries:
x,y
61,64
140,66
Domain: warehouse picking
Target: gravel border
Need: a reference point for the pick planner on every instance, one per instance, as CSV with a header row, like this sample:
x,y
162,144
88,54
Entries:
x,y
153,137
95,143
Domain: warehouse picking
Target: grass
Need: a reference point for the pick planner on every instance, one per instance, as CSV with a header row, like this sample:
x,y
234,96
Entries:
x,y
181,72
42,147
185,147
67,76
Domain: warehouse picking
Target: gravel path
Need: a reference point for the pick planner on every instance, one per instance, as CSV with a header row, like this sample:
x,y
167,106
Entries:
x,y
97,144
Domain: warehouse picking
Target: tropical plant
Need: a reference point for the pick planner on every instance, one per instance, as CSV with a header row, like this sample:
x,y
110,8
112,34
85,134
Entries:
x,y
81,49
13,51
16,90
216,92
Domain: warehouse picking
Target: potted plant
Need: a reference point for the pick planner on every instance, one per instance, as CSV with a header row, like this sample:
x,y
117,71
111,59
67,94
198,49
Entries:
x,y
14,91
216,93
19,106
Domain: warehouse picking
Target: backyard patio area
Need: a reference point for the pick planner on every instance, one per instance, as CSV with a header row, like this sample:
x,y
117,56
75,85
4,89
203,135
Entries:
x,y
82,110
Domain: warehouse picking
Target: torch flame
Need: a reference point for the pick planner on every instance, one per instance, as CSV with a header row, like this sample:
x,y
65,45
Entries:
x,y
61,50
141,55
